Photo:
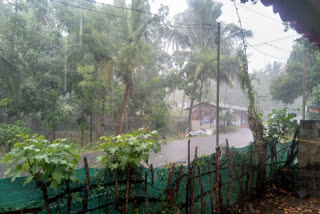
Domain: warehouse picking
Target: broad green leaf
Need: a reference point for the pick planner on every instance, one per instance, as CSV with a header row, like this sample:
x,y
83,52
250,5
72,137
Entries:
x,y
57,176
99,158
40,157
15,174
28,179
7,171
54,185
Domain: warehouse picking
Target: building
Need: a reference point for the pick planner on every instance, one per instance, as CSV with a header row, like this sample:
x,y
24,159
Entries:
x,y
208,115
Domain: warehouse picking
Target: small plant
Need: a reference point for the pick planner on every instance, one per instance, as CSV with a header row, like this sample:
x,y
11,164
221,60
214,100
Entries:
x,y
281,123
9,132
48,164
128,150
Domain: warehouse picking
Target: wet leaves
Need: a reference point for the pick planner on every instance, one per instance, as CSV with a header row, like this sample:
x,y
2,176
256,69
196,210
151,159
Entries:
x,y
280,201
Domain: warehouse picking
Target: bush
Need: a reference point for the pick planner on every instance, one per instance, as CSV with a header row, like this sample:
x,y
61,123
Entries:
x,y
9,133
48,164
174,129
280,125
159,117
128,150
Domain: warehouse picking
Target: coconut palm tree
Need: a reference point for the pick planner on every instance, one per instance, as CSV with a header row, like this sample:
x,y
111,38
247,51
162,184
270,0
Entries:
x,y
130,56
196,43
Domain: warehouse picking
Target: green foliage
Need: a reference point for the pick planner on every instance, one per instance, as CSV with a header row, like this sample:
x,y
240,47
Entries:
x,y
56,60
289,85
175,129
227,116
261,85
149,96
314,99
52,119
128,150
9,133
315,96
280,125
47,163
247,88
159,117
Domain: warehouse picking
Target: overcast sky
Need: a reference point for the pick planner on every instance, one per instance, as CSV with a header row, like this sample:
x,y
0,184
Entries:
x,y
265,25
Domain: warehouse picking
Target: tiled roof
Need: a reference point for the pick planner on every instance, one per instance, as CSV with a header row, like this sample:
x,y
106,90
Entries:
x,y
222,106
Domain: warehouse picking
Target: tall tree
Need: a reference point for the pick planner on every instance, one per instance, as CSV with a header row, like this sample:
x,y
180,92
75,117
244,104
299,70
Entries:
x,y
91,45
198,57
31,42
289,85
134,47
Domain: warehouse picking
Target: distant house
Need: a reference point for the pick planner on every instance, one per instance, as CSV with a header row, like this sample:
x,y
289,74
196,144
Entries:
x,y
208,114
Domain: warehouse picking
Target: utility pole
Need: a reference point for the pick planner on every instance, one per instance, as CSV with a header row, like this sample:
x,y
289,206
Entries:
x,y
304,97
218,83
218,150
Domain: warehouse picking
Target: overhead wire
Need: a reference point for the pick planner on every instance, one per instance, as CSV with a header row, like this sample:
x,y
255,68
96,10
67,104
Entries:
x,y
96,11
271,45
264,52
258,13
246,44
179,25
145,12
275,40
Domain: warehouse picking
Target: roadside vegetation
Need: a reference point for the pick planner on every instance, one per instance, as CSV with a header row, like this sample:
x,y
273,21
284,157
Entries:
x,y
80,76
84,70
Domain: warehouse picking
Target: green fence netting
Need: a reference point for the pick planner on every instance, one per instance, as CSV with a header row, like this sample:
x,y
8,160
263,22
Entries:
x,y
14,196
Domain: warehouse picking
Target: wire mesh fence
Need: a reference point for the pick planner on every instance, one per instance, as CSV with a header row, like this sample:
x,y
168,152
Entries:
x,y
189,188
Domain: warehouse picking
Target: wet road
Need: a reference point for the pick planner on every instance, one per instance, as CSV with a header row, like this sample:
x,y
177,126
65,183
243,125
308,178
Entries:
x,y
177,151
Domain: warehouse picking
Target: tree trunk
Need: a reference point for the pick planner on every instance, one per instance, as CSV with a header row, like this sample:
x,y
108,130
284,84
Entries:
x,y
127,122
257,129
225,123
173,99
124,104
200,96
82,136
189,117
182,106
45,196
254,120
90,135
101,118
53,134
69,202
127,191
15,24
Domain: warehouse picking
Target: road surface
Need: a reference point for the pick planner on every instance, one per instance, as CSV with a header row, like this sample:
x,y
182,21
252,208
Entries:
x,y
177,151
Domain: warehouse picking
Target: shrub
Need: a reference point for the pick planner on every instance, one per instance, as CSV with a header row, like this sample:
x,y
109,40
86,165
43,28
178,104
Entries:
x,y
280,125
9,133
128,150
48,164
